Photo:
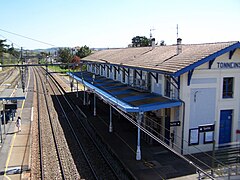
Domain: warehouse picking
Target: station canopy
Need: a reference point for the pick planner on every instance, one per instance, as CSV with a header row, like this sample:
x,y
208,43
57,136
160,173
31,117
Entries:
x,y
121,95
12,94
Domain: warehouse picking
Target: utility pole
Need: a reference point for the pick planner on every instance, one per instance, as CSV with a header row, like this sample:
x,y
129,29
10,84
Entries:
x,y
21,71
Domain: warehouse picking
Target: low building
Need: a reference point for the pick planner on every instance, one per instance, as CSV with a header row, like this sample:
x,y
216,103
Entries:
x,y
188,94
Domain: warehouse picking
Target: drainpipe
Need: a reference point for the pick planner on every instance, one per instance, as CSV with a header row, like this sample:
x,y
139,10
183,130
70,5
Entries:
x,y
183,119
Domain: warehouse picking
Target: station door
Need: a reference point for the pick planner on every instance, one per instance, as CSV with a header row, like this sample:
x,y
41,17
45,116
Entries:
x,y
225,130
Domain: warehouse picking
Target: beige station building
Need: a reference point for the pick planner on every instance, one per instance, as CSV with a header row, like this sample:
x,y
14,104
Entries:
x,y
185,95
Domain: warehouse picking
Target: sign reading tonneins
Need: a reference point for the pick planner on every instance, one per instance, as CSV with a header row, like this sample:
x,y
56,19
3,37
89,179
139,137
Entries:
x,y
206,128
228,65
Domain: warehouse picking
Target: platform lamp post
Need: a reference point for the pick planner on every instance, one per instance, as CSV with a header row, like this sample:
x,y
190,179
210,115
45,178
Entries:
x,y
94,98
110,118
1,129
213,149
139,120
4,117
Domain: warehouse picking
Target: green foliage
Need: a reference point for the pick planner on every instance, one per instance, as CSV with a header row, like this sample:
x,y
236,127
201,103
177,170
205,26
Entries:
x,y
14,52
83,51
65,55
58,69
8,55
3,47
140,41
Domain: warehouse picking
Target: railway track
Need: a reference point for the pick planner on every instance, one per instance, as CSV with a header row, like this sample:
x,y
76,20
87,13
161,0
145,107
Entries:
x,y
95,161
54,157
6,75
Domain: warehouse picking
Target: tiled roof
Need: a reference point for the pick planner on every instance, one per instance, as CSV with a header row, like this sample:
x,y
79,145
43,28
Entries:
x,y
162,58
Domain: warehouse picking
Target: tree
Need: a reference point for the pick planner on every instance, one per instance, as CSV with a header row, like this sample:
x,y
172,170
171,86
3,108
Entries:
x,y
140,41
14,52
65,55
83,51
76,61
3,47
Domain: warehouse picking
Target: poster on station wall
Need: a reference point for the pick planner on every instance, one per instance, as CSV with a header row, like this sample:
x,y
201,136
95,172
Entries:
x,y
193,136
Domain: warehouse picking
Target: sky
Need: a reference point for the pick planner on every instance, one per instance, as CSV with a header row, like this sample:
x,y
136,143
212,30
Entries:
x,y
113,23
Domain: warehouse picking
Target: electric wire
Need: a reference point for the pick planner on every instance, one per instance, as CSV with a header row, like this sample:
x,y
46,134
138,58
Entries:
x,y
155,137
163,138
10,41
185,142
29,38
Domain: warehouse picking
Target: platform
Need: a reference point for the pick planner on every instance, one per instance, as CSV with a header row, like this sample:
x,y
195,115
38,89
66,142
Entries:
x,y
15,149
12,94
157,162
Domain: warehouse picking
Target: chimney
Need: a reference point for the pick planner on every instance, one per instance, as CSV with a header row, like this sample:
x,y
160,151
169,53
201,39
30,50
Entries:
x,y
153,43
179,46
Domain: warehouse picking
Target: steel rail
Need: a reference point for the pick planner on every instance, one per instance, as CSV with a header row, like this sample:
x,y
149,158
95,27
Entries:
x,y
67,100
72,129
52,129
39,129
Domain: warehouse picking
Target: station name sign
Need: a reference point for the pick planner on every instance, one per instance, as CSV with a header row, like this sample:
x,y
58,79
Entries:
x,y
228,65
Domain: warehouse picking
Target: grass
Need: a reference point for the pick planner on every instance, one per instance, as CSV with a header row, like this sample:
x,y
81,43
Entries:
x,y
58,69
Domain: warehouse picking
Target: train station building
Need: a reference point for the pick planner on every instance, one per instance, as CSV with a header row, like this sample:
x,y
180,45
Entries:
x,y
184,95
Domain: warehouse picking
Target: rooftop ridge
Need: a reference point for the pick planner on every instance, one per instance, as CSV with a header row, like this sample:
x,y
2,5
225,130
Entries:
x,y
209,43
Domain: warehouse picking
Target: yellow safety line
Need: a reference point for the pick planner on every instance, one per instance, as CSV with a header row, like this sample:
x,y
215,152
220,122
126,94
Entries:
x,y
14,137
10,152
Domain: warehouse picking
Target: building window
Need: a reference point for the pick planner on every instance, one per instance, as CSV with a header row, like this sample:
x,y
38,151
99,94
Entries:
x,y
208,137
227,87
193,137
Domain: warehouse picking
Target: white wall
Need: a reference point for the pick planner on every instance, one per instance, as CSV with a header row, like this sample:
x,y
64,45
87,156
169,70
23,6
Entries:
x,y
202,80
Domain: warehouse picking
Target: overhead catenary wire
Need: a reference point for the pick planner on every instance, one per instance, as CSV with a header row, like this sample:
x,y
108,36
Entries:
x,y
185,141
151,130
156,138
131,118
10,41
29,38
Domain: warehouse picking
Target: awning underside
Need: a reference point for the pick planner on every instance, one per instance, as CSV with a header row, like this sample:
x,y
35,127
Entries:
x,y
123,96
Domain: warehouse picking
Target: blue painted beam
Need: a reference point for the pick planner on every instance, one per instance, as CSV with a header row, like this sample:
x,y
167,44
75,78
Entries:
x,y
122,92
231,53
117,69
211,63
12,98
114,87
139,73
206,59
177,81
135,98
155,77
156,106
190,73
